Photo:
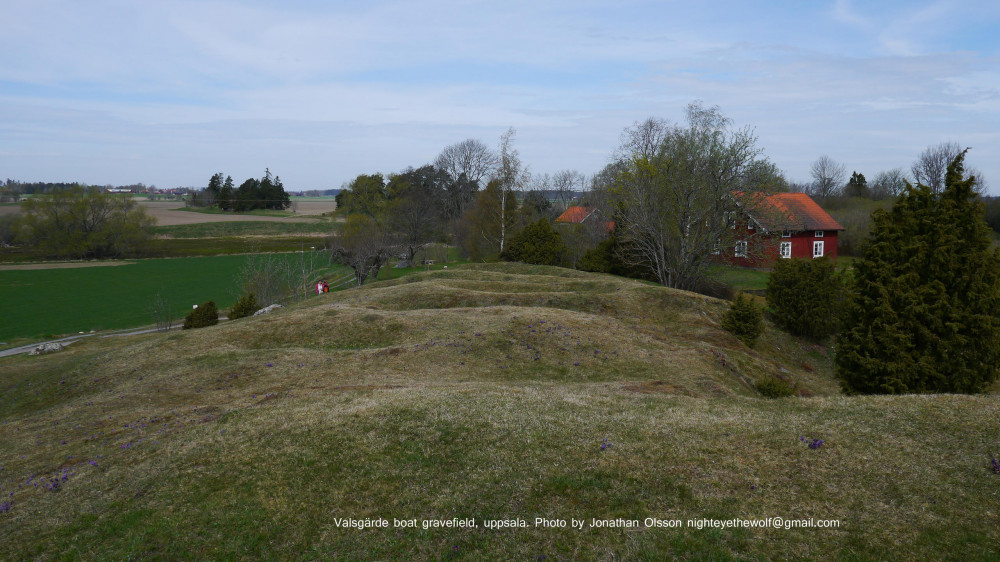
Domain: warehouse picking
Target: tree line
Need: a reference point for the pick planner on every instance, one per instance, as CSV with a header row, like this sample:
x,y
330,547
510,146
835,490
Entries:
x,y
268,192
80,223
474,196
13,190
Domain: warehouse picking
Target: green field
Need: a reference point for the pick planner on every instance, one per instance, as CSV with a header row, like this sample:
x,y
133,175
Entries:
x,y
486,392
50,302
250,228
254,212
196,247
740,278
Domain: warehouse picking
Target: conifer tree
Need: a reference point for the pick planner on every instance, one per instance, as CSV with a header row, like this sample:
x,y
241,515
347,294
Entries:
x,y
805,296
924,310
536,244
744,319
226,195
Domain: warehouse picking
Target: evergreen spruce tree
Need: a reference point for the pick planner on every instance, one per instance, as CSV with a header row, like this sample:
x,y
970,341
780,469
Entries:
x,y
805,296
744,319
924,310
226,195
857,186
213,189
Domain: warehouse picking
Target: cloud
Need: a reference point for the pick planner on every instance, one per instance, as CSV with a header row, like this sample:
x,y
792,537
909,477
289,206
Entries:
x,y
178,90
844,12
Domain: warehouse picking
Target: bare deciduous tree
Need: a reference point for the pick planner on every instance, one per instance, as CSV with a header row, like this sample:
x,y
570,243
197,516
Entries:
x,y
888,183
159,309
675,207
268,276
644,139
565,183
828,177
363,245
470,157
932,165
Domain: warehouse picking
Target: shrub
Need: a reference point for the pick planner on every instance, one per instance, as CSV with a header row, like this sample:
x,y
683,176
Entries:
x,y
159,309
744,319
773,387
606,258
206,314
537,244
245,306
805,296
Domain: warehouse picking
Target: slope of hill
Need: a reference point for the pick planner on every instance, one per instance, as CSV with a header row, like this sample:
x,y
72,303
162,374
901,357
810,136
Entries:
x,y
487,393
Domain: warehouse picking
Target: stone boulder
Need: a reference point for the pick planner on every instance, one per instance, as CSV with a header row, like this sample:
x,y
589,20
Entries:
x,y
268,309
46,348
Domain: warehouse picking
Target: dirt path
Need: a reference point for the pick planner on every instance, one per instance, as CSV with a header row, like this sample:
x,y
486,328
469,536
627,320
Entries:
x,y
70,339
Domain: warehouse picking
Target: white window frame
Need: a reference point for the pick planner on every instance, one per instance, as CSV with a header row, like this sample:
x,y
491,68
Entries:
x,y
750,224
717,247
818,234
786,250
817,248
786,233
738,252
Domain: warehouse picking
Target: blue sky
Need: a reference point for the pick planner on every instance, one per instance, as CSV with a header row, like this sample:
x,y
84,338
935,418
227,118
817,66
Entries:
x,y
170,92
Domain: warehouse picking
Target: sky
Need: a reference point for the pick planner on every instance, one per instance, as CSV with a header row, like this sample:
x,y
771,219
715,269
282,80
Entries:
x,y
168,93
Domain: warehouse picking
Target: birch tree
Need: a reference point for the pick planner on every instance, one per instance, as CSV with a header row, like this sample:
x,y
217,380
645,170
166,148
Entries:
x,y
510,177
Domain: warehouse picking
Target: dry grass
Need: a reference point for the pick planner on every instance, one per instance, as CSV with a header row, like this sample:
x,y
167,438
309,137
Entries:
x,y
481,392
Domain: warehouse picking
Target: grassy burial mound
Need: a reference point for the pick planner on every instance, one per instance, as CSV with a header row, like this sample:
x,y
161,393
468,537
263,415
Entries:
x,y
502,400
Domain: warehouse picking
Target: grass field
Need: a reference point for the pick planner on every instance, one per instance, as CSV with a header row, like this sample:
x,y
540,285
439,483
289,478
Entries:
x,y
485,392
250,228
197,246
740,278
254,212
50,302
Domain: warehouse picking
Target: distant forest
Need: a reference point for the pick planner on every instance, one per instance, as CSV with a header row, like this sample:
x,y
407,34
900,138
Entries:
x,y
11,187
40,187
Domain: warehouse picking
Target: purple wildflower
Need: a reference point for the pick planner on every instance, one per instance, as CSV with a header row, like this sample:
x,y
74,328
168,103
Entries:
x,y
996,466
4,507
269,364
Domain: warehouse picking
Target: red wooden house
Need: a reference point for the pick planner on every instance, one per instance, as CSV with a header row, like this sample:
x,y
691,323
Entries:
x,y
781,225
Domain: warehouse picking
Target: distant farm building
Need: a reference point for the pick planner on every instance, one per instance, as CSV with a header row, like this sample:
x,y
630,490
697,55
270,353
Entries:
x,y
585,215
780,225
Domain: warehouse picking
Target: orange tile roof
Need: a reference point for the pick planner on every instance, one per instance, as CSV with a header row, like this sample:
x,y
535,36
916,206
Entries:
x,y
575,214
789,211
